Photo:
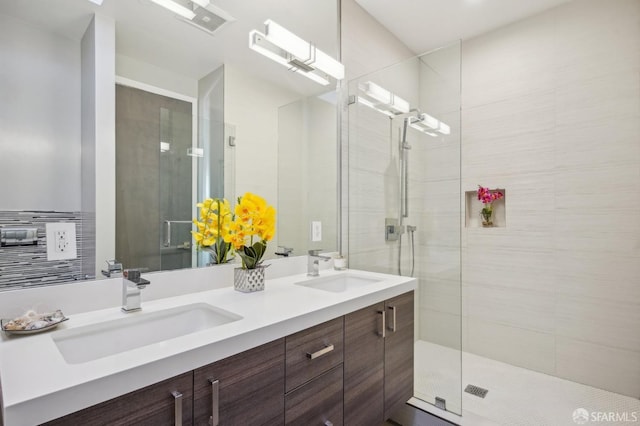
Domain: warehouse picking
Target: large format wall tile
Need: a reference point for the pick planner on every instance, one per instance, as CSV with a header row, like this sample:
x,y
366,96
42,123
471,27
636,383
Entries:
x,y
605,367
551,113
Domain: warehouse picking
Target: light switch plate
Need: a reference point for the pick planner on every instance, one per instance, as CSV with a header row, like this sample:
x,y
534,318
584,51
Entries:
x,y
316,231
61,241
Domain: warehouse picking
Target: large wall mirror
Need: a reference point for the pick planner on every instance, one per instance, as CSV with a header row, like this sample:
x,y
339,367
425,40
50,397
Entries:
x,y
196,113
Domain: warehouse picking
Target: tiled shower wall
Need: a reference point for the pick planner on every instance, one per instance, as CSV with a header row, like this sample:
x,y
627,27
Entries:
x,y
25,266
551,113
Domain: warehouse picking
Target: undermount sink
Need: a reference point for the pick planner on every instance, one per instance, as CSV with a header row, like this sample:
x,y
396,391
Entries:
x,y
339,283
91,342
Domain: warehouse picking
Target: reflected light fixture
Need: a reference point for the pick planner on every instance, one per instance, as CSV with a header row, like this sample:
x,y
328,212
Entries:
x,y
381,99
178,9
300,56
429,125
195,152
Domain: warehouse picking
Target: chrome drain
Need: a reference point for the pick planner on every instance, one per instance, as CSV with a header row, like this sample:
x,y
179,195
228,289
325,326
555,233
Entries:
x,y
476,390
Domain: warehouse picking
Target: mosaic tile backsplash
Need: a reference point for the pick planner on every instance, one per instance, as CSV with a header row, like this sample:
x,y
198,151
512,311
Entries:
x,y
27,265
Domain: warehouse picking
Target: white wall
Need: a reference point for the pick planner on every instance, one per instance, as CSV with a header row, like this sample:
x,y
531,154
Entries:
x,y
307,174
252,107
39,119
98,137
144,72
551,112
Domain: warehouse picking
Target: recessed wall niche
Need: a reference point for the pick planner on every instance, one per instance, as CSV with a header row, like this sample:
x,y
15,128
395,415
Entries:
x,y
473,207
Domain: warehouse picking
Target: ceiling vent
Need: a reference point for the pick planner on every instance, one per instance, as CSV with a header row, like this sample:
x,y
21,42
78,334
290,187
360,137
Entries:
x,y
209,18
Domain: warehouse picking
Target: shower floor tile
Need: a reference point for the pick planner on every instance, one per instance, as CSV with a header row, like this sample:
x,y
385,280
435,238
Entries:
x,y
516,397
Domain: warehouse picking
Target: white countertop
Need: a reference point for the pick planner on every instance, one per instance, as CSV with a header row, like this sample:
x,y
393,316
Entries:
x,y
39,385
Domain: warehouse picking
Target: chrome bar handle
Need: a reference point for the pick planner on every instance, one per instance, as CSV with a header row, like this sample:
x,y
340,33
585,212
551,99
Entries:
x,y
177,396
167,240
318,354
214,420
383,334
392,326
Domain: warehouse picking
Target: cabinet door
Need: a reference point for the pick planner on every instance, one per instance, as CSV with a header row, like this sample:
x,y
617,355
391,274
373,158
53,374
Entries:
x,y
364,366
153,405
398,354
249,387
313,351
318,402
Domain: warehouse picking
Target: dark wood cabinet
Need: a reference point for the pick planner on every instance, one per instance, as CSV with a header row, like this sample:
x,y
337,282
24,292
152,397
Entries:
x,y
318,402
364,366
244,389
153,405
398,352
313,351
378,365
353,370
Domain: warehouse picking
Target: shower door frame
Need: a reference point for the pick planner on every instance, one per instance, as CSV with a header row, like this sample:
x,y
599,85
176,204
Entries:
x,y
124,81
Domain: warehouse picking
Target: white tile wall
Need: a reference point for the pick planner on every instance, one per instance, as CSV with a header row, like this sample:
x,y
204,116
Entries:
x,y
551,112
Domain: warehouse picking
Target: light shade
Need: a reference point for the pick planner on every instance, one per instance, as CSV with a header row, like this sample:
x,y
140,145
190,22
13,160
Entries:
x,y
382,100
300,56
201,3
429,125
176,8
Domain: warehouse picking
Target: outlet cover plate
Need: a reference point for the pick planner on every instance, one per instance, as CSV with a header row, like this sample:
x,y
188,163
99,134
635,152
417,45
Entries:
x,y
61,241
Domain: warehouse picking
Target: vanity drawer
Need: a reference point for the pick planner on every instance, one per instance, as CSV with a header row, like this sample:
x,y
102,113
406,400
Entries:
x,y
313,351
319,402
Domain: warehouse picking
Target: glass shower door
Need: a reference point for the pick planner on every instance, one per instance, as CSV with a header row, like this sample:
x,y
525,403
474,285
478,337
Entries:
x,y
154,180
404,172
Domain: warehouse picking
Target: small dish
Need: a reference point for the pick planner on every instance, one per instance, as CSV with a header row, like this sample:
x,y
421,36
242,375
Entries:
x,y
49,326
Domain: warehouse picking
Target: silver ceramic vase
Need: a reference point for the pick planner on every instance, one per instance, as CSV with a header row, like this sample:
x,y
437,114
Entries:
x,y
249,280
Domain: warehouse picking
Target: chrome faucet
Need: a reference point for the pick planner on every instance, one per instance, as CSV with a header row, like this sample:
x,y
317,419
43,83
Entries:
x,y
132,283
114,269
313,264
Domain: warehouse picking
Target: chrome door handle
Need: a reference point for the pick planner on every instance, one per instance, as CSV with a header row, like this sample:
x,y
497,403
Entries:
x,y
214,420
318,354
177,396
383,334
392,326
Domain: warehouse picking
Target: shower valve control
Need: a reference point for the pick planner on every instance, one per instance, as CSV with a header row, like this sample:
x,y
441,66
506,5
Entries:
x,y
392,229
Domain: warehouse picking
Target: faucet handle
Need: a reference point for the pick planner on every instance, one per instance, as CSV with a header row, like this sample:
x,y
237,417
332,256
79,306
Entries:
x,y
132,274
315,252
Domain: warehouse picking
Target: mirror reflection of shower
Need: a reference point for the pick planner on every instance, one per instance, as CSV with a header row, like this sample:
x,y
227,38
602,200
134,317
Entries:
x,y
393,106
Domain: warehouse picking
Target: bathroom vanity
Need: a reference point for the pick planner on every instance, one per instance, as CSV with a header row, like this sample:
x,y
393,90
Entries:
x,y
304,351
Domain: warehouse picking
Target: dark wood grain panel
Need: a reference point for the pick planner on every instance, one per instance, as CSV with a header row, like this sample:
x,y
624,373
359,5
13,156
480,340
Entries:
x,y
150,406
398,377
251,388
364,367
316,402
300,368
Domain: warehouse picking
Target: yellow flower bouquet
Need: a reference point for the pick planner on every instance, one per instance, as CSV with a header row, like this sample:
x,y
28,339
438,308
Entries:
x,y
215,217
253,226
246,232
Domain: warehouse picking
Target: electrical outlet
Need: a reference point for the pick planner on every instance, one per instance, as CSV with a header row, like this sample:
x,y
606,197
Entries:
x,y
61,241
316,231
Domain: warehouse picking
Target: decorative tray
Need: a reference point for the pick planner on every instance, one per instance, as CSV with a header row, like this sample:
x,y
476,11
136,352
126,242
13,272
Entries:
x,y
32,323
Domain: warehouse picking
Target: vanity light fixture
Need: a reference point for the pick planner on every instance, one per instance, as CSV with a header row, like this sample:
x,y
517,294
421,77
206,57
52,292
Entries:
x,y
429,125
98,2
195,152
286,48
177,8
201,3
381,99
